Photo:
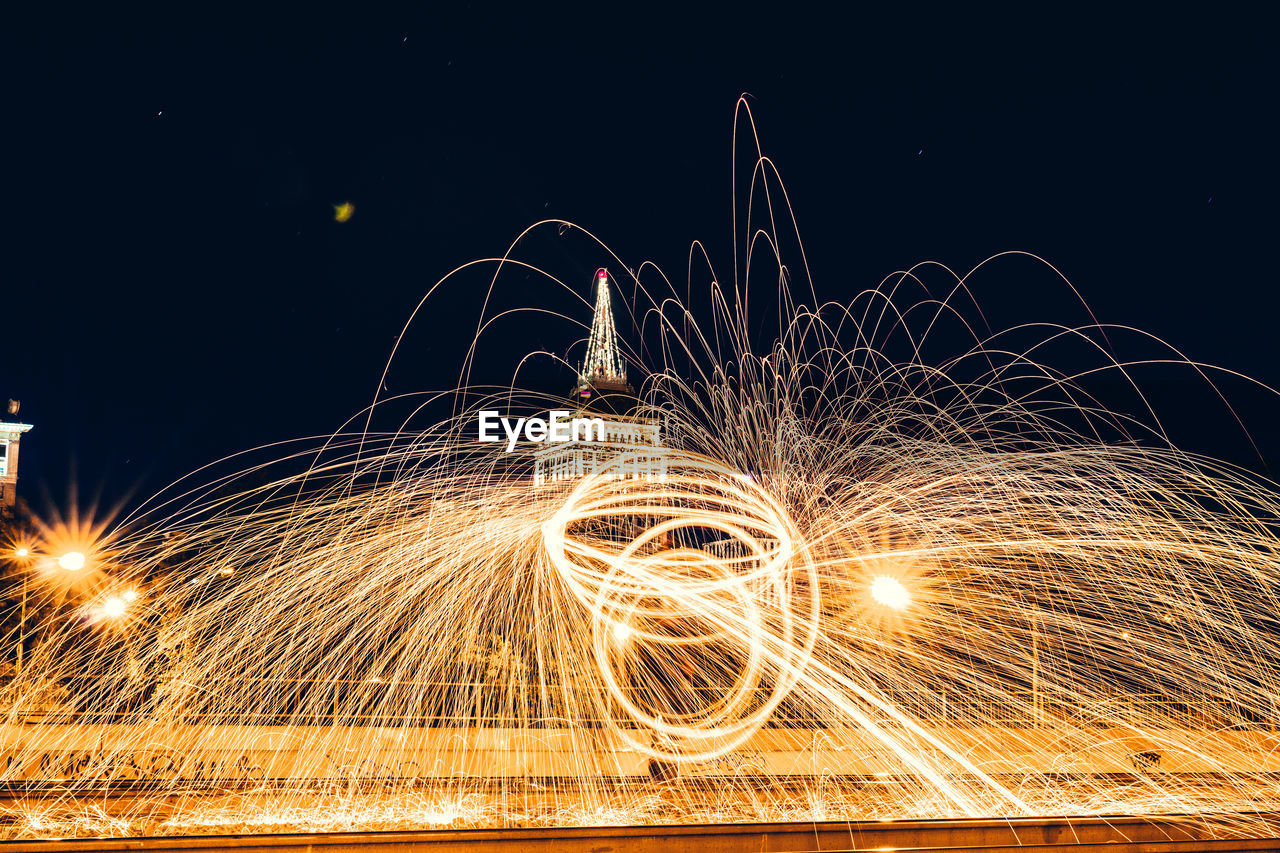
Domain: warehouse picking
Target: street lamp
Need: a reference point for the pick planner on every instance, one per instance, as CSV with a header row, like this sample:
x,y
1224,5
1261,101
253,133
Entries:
x,y
22,553
72,561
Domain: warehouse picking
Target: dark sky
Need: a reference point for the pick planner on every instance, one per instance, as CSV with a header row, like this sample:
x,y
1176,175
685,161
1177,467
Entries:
x,y
176,289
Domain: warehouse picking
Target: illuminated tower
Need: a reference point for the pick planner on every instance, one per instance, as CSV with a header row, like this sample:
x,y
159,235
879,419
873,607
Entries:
x,y
603,368
632,446
10,433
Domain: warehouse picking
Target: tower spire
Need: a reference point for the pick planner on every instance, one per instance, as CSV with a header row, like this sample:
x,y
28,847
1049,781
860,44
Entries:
x,y
603,366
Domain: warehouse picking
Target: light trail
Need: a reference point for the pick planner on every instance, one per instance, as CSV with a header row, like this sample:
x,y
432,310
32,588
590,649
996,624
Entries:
x,y
873,558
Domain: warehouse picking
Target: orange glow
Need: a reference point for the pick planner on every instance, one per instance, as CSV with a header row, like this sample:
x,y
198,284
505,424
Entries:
x,y
114,607
72,561
78,544
890,592
622,633
73,557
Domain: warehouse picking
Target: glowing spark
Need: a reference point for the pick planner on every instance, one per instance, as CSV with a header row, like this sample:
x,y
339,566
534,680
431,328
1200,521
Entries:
x,y
622,633
890,592
342,212
114,606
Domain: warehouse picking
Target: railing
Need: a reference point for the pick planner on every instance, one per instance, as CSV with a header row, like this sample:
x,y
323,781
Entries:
x,y
1220,833
455,705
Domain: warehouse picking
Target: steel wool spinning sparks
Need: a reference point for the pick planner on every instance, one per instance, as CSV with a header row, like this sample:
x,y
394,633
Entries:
x,y
850,581
684,602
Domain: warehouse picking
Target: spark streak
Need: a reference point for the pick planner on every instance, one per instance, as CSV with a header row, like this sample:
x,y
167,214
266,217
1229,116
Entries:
x,y
871,584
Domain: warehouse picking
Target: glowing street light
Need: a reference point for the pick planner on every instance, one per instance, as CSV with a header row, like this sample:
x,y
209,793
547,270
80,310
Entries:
x,y
114,606
22,552
72,561
890,592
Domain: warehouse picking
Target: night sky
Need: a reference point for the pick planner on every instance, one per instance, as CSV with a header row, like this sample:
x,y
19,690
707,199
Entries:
x,y
176,288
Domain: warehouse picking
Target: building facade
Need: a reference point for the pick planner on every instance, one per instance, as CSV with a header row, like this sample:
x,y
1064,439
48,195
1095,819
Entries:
x,y
11,431
632,447
631,450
